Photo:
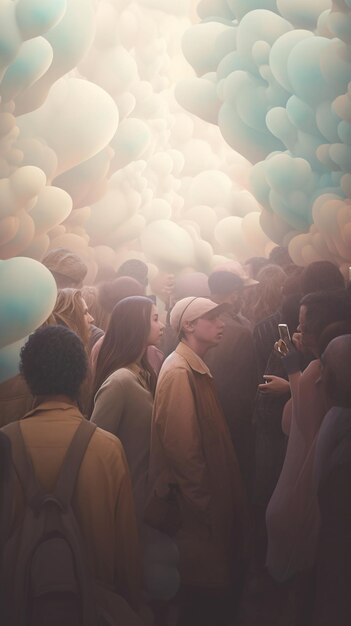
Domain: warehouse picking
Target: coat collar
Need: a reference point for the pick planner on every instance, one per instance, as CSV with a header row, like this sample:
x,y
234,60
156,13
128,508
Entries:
x,y
193,359
70,410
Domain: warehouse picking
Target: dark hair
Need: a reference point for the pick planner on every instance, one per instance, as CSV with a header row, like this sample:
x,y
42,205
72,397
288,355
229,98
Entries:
x,y
336,365
110,293
125,339
292,284
331,332
290,311
324,308
135,269
321,276
223,283
256,264
280,256
54,362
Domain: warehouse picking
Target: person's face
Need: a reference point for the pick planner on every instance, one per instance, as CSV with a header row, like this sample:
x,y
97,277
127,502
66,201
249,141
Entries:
x,y
208,330
88,319
156,328
307,339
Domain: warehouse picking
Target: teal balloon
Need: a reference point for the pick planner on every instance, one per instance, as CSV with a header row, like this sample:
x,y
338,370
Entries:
x,y
9,359
35,17
28,294
301,115
304,70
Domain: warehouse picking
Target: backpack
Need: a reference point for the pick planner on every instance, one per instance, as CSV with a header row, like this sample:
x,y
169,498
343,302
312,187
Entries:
x,y
45,578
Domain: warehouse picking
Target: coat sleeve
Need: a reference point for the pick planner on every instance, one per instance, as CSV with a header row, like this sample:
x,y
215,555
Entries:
x,y
177,425
109,405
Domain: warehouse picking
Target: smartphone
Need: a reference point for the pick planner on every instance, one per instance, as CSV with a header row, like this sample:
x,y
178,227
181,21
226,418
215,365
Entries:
x,y
284,333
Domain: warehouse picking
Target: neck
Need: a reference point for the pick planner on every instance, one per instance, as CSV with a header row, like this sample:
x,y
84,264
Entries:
x,y
199,348
55,398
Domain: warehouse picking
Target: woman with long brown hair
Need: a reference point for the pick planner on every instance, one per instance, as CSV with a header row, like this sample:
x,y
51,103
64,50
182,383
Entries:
x,y
269,292
124,384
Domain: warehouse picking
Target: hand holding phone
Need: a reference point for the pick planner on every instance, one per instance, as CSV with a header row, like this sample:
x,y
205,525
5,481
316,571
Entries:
x,y
283,345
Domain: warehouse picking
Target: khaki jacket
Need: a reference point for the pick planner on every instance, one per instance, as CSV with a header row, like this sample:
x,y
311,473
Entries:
x,y
191,446
103,499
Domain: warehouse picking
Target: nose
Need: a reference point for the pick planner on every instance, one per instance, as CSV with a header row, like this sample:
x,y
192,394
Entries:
x,y
90,318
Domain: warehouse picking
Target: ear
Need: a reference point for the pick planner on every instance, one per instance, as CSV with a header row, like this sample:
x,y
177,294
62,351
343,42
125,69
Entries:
x,y
188,327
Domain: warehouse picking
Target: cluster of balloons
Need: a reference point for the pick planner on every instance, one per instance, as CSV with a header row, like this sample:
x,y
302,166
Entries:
x,y
106,146
117,169
275,75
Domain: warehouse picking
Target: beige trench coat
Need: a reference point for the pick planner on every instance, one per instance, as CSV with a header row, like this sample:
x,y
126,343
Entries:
x,y
191,446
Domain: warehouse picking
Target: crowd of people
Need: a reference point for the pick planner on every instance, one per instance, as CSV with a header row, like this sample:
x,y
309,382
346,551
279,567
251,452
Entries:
x,y
200,450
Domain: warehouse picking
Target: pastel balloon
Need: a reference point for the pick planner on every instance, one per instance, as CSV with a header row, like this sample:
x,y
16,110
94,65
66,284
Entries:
x,y
201,45
33,60
199,96
68,122
9,359
167,244
22,237
53,206
69,39
241,7
28,295
304,70
303,14
35,17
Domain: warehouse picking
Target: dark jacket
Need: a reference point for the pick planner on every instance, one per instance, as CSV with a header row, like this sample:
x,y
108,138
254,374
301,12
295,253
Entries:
x,y
233,366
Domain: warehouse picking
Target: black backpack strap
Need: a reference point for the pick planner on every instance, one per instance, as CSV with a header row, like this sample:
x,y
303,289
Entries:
x,y
22,463
67,479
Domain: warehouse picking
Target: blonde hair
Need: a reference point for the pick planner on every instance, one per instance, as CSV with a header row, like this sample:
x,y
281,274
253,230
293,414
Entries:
x,y
70,311
90,293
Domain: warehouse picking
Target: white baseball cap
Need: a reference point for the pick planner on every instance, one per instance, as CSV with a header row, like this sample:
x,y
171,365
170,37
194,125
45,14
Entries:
x,y
191,309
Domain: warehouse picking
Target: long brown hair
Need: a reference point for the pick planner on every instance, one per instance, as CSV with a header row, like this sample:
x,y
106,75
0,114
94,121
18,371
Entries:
x,y
125,339
269,291
70,311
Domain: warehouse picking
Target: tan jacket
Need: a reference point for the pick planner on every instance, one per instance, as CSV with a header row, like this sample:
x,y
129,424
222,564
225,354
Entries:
x,y
103,498
191,446
15,400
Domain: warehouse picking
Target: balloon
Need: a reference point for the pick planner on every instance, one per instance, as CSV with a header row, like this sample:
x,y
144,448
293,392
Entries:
x,y
68,122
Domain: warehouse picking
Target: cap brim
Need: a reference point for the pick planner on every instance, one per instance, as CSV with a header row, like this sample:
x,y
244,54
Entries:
x,y
224,307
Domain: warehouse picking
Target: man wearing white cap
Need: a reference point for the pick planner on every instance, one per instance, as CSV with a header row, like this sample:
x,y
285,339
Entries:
x,y
191,451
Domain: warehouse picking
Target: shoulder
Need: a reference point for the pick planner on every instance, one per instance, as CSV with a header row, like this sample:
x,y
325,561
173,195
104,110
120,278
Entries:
x,y
312,371
121,377
173,382
175,366
107,445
